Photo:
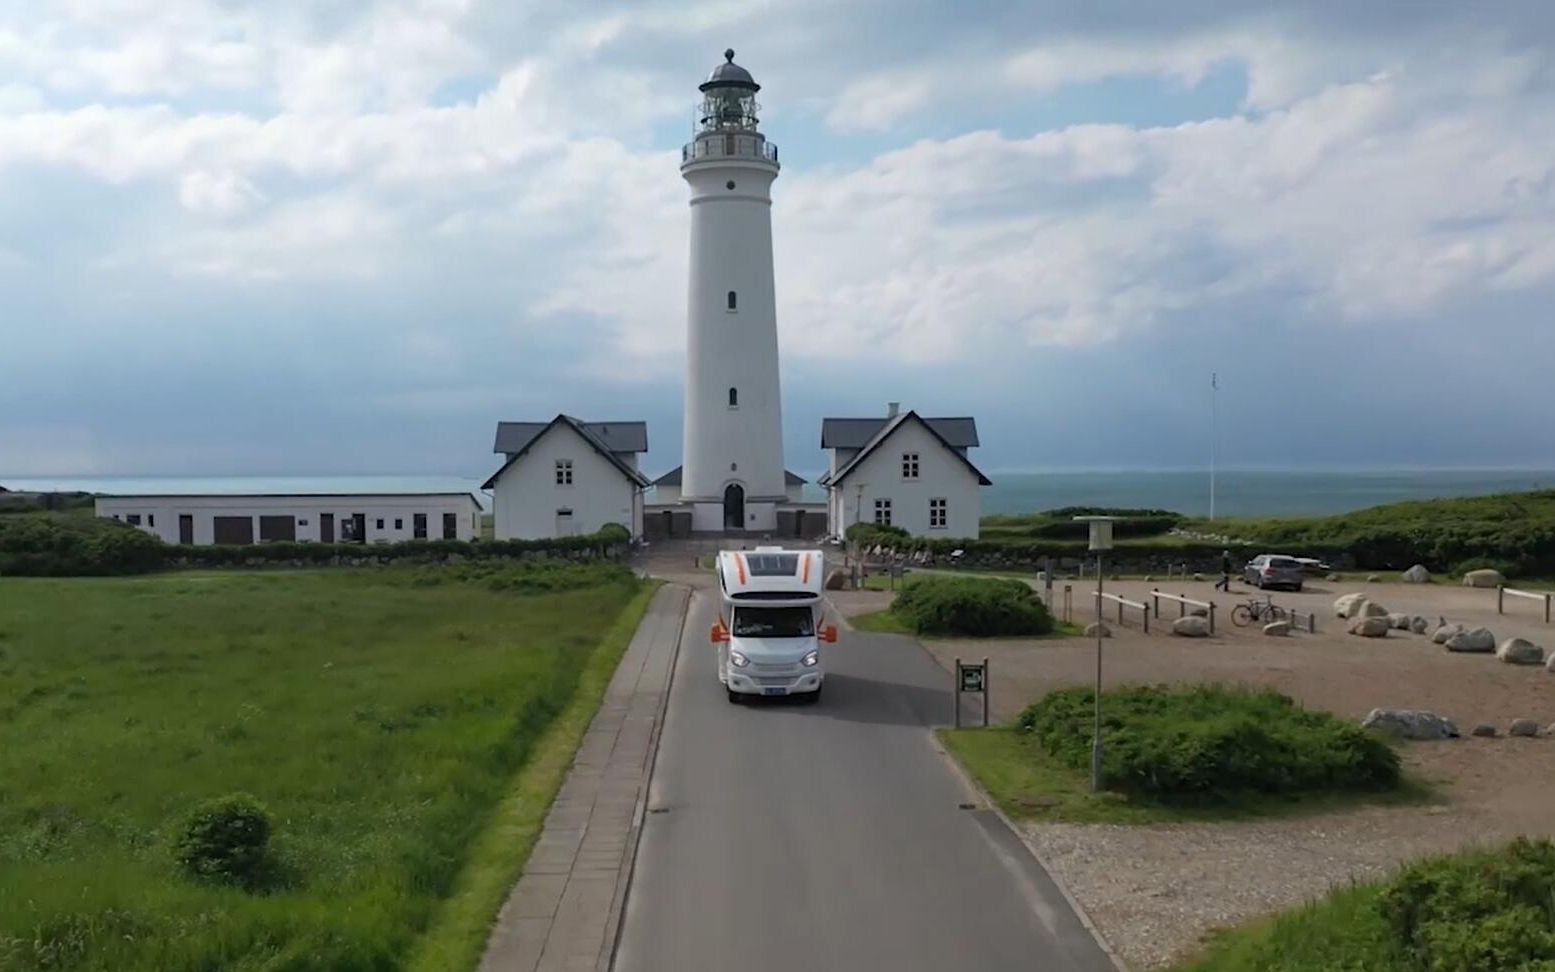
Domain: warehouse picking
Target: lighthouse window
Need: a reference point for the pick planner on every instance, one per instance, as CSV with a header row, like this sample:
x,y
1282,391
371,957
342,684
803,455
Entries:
x,y
729,184
733,301
734,398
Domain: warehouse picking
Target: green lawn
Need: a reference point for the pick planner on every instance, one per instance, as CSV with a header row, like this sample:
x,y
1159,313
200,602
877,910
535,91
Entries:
x,y
383,716
1029,783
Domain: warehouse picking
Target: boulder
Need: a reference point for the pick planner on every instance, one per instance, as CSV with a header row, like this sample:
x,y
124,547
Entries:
x,y
1370,627
1149,578
1526,728
1198,612
1346,606
1277,629
1520,651
1097,627
1332,577
1399,621
1191,626
837,580
1410,724
1418,625
1477,640
1372,578
1417,575
1198,577
1549,665
1445,632
1484,729
1370,609
1483,578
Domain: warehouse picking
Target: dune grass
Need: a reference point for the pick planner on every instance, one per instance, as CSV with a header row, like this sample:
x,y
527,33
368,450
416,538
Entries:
x,y
381,718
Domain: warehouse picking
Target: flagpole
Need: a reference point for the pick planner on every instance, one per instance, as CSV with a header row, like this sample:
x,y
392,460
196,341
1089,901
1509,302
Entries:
x,y
1214,436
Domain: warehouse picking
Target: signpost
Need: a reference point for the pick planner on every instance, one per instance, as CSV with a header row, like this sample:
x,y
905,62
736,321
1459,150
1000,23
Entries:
x,y
1101,541
971,677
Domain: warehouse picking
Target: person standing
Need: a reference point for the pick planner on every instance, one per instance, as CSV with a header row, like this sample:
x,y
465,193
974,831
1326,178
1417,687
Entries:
x,y
1224,584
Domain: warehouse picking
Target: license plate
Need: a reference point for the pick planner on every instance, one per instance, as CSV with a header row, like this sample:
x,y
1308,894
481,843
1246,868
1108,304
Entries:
x,y
774,691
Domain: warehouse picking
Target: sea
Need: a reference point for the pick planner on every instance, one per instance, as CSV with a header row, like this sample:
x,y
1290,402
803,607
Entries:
x,y
1237,492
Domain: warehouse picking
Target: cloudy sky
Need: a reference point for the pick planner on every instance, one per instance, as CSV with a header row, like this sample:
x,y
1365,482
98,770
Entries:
x,y
348,236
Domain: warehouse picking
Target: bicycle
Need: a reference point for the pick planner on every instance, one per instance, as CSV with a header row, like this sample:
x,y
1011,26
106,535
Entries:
x,y
1262,610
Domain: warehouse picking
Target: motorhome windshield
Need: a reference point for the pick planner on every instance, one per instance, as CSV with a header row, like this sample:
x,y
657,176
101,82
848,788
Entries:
x,y
773,622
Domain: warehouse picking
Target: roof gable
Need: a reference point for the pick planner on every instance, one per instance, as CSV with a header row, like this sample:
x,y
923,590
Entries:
x,y
583,431
959,432
614,436
888,428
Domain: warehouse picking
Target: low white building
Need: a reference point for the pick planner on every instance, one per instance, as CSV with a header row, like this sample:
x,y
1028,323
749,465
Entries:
x,y
304,517
667,488
903,470
567,477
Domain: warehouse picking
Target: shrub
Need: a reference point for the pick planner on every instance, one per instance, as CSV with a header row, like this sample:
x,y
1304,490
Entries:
x,y
974,606
59,545
1210,743
226,839
1470,912
870,534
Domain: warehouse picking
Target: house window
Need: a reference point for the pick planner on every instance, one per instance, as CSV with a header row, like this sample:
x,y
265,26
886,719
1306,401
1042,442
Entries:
x,y
938,515
734,398
733,301
883,512
564,472
399,524
909,465
380,523
134,519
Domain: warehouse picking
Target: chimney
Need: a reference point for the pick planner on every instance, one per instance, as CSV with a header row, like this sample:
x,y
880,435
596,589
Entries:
x,y
891,408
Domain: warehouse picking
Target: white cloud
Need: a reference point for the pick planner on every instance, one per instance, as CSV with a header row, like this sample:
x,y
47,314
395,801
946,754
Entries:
x,y
217,194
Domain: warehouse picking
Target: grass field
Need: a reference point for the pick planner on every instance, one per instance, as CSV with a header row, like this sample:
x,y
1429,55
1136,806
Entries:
x,y
382,716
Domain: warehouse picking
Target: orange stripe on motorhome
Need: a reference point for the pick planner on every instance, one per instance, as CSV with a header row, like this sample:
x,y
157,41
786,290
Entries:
x,y
739,561
804,578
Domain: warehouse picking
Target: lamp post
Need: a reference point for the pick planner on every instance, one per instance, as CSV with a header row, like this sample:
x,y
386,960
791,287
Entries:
x,y
1101,541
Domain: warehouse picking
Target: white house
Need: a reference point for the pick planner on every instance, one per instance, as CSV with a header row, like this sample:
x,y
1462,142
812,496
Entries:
x,y
903,470
567,477
304,517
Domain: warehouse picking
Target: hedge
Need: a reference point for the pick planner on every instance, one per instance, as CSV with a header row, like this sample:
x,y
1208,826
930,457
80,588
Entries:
x,y
975,606
1210,743
65,545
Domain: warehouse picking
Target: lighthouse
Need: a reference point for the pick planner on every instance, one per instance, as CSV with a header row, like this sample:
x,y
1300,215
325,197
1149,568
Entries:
x,y
732,475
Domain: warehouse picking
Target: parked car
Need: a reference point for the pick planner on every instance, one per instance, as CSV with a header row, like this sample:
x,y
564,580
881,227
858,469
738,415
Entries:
x,y
1313,566
1273,570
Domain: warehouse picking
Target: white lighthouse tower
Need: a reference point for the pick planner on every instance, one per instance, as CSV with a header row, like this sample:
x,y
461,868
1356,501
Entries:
x,y
732,474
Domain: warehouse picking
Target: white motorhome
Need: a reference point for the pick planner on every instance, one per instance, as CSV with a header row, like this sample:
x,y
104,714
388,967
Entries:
x,y
769,630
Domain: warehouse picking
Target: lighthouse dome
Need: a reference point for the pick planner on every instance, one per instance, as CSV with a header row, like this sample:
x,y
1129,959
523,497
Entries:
x,y
730,75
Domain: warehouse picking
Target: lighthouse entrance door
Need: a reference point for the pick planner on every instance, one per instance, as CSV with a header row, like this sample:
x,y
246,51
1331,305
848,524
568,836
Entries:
x,y
734,507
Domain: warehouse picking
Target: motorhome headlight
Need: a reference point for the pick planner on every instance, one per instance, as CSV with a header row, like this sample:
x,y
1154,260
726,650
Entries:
x,y
811,659
738,660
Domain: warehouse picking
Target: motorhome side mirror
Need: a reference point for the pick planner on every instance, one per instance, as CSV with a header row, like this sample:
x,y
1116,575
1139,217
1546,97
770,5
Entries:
x,y
829,633
719,634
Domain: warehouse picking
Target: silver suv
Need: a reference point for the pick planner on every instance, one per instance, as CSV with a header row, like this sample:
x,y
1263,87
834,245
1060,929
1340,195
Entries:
x,y
1273,570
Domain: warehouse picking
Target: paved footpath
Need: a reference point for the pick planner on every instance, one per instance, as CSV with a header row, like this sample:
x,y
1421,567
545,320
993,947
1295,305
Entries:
x,y
563,912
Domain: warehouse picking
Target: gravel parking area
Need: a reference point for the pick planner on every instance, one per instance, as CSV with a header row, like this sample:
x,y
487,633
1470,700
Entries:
x,y
1155,891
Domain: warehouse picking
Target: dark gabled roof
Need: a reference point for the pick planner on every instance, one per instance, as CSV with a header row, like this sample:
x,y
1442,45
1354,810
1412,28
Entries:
x,y
855,433
583,429
616,436
890,426
672,478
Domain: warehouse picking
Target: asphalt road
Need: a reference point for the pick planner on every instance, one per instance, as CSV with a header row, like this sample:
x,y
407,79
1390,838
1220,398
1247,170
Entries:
x,y
786,836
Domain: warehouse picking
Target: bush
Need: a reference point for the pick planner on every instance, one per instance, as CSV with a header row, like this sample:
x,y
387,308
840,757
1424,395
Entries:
x,y
1210,743
870,534
1471,912
975,606
226,840
62,545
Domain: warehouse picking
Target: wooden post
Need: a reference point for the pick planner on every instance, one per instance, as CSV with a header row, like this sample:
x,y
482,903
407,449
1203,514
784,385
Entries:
x,y
1147,620
1546,609
1211,617
1500,599
1155,594
987,692
1312,623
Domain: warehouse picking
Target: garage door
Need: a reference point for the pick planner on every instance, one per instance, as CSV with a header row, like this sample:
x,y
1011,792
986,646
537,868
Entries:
x,y
234,529
277,528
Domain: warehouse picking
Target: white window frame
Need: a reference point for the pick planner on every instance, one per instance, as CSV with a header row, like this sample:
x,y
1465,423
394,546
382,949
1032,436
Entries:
x,y
939,508
910,466
564,472
882,507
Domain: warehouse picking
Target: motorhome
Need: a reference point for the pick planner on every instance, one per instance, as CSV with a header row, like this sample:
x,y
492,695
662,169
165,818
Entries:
x,y
770,627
